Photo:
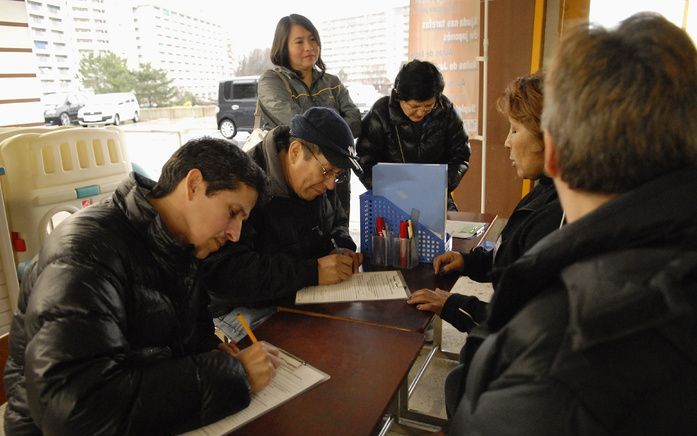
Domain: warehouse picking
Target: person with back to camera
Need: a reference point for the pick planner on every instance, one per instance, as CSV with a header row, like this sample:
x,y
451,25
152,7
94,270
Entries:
x,y
416,123
300,81
536,215
597,336
112,334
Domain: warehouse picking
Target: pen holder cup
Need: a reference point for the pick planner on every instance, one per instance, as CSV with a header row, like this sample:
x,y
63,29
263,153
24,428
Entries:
x,y
401,250
379,250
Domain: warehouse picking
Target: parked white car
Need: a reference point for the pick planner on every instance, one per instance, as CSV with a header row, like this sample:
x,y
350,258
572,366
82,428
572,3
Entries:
x,y
113,108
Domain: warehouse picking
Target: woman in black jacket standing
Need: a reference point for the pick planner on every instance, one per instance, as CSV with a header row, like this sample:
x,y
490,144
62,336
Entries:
x,y
415,124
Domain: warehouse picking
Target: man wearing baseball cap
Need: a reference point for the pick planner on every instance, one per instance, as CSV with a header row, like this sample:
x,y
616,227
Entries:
x,y
289,241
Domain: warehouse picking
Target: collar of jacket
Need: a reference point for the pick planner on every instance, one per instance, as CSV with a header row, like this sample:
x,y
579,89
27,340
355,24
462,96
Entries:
x,y
316,74
274,172
611,292
131,198
544,193
398,117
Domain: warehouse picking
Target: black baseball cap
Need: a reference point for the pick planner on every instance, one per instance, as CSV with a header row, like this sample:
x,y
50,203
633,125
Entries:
x,y
326,129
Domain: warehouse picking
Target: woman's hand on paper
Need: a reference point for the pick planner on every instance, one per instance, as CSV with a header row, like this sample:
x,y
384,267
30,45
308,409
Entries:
x,y
260,361
335,268
449,262
428,300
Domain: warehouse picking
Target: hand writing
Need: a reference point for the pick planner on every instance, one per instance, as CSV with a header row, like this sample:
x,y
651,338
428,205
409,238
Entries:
x,y
334,268
260,361
357,258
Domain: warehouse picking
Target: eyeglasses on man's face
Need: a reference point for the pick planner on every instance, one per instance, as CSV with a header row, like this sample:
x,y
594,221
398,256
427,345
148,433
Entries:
x,y
338,176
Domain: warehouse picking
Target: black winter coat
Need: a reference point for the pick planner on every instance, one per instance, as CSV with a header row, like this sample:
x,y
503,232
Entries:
x,y
598,333
536,215
112,335
388,135
280,242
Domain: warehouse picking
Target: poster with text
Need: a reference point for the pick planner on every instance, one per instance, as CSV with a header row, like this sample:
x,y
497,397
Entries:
x,y
446,33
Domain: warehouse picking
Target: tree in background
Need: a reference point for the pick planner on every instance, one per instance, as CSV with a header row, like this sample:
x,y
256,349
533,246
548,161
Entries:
x,y
105,73
152,87
109,73
255,62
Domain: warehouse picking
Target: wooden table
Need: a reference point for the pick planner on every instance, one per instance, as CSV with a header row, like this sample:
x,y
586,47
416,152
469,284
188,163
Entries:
x,y
397,313
366,363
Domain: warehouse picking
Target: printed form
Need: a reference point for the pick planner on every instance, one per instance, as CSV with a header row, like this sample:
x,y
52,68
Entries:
x,y
292,378
365,286
466,286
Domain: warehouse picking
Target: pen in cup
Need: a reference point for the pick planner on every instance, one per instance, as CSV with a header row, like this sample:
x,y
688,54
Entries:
x,y
246,327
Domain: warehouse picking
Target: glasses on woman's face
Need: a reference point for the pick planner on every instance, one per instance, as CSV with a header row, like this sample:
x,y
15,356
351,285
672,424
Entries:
x,y
338,176
412,109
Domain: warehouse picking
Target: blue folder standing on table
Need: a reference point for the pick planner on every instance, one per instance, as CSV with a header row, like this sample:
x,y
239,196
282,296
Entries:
x,y
420,186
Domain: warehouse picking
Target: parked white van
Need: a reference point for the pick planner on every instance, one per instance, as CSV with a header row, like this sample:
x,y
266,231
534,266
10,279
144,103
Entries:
x,y
113,108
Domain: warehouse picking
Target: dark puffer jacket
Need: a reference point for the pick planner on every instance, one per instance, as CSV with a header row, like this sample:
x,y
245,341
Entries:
x,y
536,215
388,135
598,333
112,335
280,242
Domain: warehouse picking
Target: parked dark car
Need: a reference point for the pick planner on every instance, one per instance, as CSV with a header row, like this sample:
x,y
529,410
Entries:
x,y
237,100
62,108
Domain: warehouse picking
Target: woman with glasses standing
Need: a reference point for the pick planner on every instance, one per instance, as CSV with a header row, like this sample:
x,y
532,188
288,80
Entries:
x,y
415,124
300,81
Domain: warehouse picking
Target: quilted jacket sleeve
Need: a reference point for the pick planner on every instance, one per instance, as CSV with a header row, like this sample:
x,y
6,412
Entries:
x,y
275,99
372,144
458,151
348,110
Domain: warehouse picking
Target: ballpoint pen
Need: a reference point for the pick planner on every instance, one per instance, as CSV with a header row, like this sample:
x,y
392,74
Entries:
x,y
336,246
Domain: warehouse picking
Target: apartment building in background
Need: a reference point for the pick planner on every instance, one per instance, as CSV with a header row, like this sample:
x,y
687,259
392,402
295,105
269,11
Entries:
x,y
191,48
367,49
63,31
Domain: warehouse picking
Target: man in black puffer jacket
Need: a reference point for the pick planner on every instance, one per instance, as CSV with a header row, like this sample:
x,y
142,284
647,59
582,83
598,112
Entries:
x,y
415,124
288,242
597,336
112,335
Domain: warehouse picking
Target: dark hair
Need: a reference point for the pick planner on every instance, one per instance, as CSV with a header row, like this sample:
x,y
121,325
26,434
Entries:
x,y
279,48
223,166
621,104
522,100
418,80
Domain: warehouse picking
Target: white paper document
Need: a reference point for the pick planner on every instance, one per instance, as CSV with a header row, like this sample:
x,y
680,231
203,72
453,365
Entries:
x,y
292,378
466,286
365,286
464,229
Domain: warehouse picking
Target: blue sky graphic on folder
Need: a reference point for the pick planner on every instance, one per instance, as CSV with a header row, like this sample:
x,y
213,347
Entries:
x,y
420,186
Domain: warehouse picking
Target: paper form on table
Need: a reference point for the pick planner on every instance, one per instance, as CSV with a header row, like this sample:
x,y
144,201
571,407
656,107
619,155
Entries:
x,y
292,378
364,286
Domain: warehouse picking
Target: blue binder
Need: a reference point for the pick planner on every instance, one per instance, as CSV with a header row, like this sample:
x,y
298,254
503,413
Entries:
x,y
420,186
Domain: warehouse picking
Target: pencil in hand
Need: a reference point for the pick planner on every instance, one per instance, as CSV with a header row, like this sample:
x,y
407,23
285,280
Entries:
x,y
248,329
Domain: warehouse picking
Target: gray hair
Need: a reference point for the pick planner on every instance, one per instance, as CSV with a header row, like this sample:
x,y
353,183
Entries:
x,y
621,105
